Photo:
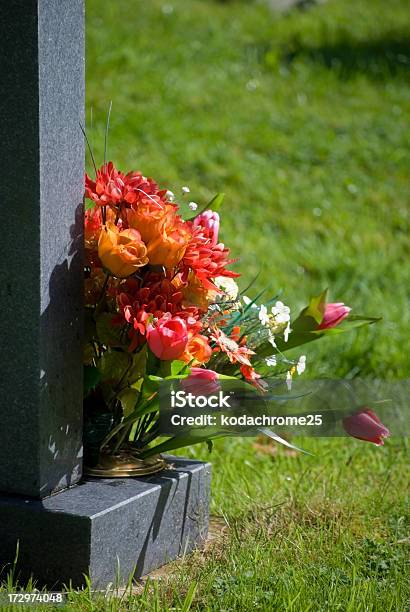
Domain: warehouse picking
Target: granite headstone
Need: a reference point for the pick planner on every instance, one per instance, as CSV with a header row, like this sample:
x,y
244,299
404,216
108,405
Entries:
x,y
109,529
41,191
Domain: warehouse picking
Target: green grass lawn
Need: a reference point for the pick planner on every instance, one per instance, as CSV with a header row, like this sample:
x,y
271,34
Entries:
x,y
301,119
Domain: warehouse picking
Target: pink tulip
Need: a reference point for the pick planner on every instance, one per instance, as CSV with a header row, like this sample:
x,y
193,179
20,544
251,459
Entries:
x,y
210,220
334,314
366,425
201,382
168,339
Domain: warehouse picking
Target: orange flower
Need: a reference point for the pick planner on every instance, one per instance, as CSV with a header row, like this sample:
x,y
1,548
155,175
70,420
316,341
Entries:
x,y
93,225
194,292
169,247
148,218
122,253
234,352
197,350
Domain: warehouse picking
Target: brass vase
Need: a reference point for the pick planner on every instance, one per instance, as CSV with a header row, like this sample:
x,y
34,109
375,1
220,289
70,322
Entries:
x,y
124,463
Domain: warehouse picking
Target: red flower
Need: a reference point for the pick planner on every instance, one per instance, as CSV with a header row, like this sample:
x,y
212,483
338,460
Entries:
x,y
207,260
201,382
108,187
114,188
366,425
140,304
143,190
92,228
334,314
252,376
168,339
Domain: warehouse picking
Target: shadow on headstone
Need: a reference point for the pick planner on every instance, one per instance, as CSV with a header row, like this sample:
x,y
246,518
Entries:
x,y
60,325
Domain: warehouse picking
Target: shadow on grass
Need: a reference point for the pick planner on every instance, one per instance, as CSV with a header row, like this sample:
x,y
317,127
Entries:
x,y
380,59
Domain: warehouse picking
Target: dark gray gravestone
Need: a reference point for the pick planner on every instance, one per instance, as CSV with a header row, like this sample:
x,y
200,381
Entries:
x,y
41,190
108,528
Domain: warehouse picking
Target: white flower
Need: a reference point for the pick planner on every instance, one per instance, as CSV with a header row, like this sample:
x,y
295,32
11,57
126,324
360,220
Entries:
x,y
228,286
301,365
271,361
263,315
185,189
170,195
281,312
286,332
271,339
248,301
289,380
193,205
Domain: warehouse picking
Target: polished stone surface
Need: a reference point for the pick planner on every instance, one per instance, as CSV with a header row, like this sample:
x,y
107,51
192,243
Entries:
x,y
41,294
108,527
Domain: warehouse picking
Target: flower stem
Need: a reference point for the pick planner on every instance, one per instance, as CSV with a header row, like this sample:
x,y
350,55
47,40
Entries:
x,y
102,293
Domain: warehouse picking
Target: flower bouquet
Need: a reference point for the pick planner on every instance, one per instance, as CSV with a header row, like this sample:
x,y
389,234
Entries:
x,y
162,304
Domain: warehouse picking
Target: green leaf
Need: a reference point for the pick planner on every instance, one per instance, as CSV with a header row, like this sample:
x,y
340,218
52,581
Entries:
x,y
351,322
189,598
179,368
214,204
151,385
179,442
91,379
107,333
138,366
88,353
239,316
227,377
153,363
298,338
128,398
89,325
172,370
312,315
138,384
113,365
89,205
142,408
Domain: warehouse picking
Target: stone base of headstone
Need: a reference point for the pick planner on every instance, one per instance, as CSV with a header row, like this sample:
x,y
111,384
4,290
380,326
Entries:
x,y
107,529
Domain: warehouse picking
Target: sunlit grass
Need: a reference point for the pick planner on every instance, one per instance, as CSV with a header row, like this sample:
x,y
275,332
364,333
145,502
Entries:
x,y
225,96
301,120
